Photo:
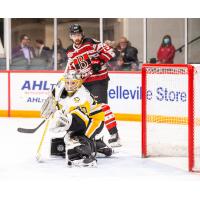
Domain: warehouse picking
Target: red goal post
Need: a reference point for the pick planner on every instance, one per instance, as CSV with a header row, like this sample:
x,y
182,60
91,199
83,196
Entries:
x,y
170,113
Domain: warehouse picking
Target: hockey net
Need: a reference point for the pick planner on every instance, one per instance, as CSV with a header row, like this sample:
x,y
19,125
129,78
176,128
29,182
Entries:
x,y
171,112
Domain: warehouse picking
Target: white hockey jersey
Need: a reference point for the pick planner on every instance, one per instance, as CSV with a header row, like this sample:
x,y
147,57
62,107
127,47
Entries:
x,y
81,103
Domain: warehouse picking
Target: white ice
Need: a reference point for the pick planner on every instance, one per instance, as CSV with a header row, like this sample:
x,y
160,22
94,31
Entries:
x,y
123,176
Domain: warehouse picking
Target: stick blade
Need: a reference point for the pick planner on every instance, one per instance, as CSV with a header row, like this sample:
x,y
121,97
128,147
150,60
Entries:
x,y
24,130
30,130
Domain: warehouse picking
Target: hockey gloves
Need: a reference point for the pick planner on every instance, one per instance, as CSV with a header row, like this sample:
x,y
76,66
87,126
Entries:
x,y
48,107
96,65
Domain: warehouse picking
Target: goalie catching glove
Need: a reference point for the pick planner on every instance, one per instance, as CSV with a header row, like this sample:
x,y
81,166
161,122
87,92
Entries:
x,y
60,122
48,107
50,104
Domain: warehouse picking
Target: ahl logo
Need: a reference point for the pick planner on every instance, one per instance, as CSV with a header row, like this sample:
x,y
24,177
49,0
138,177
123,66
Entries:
x,y
76,99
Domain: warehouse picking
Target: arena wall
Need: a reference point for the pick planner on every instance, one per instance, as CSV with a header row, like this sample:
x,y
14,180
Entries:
x,y
22,94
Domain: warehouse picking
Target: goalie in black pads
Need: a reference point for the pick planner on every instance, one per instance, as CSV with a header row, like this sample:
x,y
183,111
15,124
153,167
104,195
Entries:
x,y
77,120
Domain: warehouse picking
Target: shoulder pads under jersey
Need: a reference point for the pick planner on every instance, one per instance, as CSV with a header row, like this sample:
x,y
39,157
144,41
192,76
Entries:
x,y
91,40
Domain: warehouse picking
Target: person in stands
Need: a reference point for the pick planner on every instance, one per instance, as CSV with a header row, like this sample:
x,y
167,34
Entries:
x,y
166,52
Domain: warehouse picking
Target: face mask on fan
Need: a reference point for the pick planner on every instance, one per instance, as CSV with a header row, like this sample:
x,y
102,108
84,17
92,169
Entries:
x,y
166,41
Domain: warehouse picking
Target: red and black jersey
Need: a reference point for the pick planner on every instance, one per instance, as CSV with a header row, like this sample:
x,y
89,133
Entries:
x,y
81,59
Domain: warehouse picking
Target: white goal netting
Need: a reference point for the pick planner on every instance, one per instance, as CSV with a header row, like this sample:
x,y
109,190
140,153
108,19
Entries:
x,y
166,132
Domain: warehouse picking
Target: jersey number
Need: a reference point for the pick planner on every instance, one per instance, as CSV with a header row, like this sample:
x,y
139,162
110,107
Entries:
x,y
82,62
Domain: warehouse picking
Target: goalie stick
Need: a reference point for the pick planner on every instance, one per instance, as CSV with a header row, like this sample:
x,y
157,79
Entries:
x,y
31,130
39,149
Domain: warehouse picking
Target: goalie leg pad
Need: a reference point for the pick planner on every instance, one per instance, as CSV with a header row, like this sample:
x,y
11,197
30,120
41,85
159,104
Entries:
x,y
58,147
85,149
102,148
83,152
73,155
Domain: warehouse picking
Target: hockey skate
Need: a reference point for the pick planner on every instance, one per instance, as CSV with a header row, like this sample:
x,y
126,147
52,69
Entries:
x,y
114,140
85,162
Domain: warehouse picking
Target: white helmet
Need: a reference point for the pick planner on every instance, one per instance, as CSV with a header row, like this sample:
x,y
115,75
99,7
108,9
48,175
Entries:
x,y
73,81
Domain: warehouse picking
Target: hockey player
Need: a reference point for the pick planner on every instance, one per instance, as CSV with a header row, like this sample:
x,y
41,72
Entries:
x,y
88,56
79,117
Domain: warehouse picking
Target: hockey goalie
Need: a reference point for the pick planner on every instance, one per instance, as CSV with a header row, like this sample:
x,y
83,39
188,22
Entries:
x,y
76,122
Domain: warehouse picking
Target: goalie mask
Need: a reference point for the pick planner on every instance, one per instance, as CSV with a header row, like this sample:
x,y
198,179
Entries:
x,y
73,81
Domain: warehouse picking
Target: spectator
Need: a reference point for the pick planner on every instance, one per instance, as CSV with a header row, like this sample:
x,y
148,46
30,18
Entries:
x,y
43,52
2,53
61,61
61,55
166,51
22,54
59,46
30,46
127,58
2,56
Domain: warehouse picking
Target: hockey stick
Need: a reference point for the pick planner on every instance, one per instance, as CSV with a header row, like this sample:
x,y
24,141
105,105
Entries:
x,y
38,155
29,130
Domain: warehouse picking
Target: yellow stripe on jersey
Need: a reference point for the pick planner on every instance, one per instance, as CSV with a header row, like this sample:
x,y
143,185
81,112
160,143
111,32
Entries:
x,y
97,113
98,116
85,108
97,106
81,115
94,125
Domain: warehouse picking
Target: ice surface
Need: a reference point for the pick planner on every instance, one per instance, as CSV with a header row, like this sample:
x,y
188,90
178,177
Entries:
x,y
124,176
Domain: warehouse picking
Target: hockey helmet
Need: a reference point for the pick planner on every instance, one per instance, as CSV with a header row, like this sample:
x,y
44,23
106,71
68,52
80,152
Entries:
x,y
73,81
75,28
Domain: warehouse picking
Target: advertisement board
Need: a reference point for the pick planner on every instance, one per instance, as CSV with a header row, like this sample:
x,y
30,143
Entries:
x,y
124,93
28,91
3,92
